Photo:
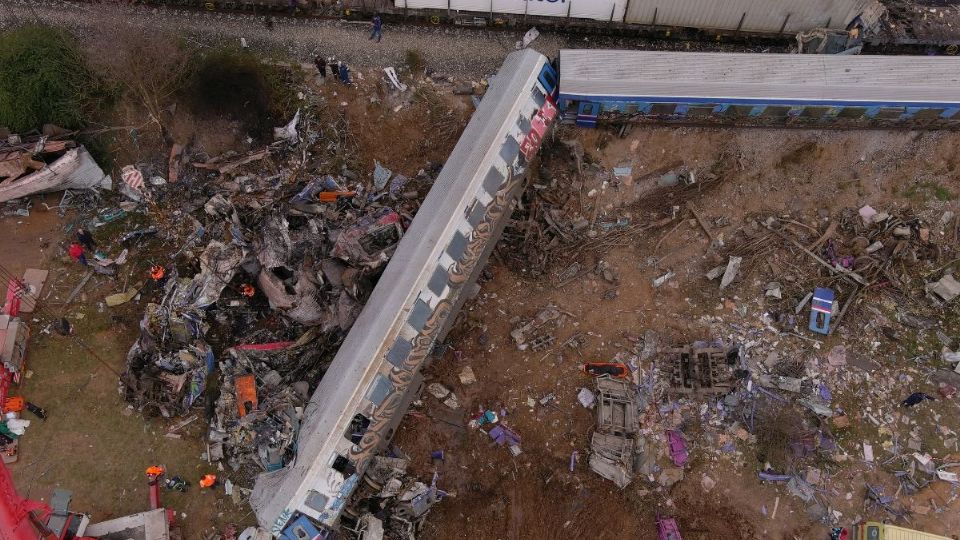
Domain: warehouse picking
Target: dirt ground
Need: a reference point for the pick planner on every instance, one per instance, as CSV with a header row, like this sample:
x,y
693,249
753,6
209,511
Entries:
x,y
778,172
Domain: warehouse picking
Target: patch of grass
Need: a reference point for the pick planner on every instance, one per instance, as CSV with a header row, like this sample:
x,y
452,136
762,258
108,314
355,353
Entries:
x,y
44,78
922,191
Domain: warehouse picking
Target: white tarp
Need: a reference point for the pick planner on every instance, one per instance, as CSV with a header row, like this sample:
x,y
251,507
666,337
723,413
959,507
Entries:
x,y
74,170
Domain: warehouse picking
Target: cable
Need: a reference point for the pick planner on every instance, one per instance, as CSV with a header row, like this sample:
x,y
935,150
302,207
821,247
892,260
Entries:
x,y
39,308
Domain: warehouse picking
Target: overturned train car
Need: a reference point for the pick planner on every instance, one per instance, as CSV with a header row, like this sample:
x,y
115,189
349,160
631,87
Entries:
x,y
759,89
377,371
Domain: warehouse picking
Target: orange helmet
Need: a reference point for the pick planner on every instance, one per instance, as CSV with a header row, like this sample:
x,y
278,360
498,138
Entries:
x,y
156,272
248,290
208,480
154,470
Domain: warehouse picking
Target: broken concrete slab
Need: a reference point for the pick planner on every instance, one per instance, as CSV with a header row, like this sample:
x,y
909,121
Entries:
x,y
730,273
946,288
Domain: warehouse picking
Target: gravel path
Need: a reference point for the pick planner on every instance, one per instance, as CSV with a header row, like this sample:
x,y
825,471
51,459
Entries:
x,y
458,51
463,52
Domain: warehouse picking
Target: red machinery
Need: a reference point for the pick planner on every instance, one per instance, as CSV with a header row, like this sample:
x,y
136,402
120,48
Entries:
x,y
24,519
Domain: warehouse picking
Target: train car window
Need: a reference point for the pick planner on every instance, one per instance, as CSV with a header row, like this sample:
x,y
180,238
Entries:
x,y
316,501
631,108
418,315
548,79
524,124
475,217
438,281
538,97
928,114
663,108
873,532
814,112
775,111
343,465
510,150
587,109
358,426
700,110
739,111
379,389
397,354
852,112
494,179
890,113
458,245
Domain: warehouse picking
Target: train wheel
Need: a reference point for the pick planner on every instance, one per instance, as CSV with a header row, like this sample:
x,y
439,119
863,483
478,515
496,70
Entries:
x,y
952,50
434,19
210,6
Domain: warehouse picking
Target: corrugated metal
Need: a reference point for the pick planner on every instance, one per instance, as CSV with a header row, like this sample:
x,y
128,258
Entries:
x,y
587,72
585,9
758,15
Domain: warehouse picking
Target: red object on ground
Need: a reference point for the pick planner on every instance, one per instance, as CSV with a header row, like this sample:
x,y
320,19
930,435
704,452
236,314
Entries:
x,y
20,519
264,346
11,306
75,251
613,369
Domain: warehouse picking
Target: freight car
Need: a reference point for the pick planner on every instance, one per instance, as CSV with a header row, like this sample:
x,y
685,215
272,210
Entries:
x,y
797,89
690,18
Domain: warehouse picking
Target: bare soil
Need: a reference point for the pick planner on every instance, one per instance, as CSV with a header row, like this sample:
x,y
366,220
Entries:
x,y
533,495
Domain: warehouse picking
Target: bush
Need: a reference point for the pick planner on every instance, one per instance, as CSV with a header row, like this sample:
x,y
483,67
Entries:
x,y
44,78
236,84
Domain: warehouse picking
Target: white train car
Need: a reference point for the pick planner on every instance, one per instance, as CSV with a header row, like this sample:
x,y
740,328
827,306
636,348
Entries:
x,y
376,373
752,16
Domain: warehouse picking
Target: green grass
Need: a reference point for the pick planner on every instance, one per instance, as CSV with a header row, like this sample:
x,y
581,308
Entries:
x,y
44,78
923,191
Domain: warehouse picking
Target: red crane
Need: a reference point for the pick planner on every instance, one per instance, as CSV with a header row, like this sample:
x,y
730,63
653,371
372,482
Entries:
x,y
21,519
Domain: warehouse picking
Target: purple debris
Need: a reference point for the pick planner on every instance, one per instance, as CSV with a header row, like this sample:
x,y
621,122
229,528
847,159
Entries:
x,y
667,529
728,448
437,454
573,460
825,393
772,477
504,435
678,448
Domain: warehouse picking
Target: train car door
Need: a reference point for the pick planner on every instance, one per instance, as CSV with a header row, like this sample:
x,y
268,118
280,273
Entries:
x,y
587,113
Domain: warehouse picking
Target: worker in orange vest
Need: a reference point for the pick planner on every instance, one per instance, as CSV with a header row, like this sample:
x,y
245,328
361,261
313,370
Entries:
x,y
157,272
208,481
247,290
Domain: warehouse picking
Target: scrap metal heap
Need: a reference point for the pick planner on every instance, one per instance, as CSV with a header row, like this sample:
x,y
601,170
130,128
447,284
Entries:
x,y
270,267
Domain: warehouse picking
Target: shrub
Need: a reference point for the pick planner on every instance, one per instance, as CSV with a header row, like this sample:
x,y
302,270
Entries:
x,y
44,78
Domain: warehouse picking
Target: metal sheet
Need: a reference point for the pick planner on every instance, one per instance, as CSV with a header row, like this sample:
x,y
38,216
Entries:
x,y
757,15
778,77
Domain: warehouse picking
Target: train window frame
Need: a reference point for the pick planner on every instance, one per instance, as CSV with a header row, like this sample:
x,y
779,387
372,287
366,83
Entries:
x,y
852,113
316,501
705,109
509,150
928,114
890,113
738,111
776,111
631,108
343,465
663,108
814,111
356,435
587,109
380,387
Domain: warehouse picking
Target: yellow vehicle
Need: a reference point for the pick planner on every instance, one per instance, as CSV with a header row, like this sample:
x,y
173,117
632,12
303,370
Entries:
x,y
873,530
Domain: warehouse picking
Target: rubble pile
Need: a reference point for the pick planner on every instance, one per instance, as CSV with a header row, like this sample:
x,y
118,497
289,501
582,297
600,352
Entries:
x,y
271,267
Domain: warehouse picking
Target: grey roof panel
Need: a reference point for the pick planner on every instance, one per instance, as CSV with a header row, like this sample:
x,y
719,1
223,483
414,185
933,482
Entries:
x,y
590,72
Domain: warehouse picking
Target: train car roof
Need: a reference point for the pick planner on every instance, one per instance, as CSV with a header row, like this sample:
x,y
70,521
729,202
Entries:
x,y
361,356
606,75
